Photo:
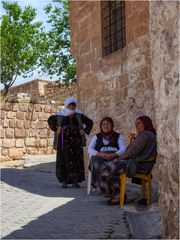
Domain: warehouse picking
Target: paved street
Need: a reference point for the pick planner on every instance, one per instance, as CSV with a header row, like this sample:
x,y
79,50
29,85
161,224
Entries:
x,y
34,206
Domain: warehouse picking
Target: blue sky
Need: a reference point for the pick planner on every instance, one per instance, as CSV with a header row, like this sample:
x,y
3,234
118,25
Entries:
x,y
41,16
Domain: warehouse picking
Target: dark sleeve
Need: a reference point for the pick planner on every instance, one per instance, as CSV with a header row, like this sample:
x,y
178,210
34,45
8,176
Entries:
x,y
88,124
136,147
52,122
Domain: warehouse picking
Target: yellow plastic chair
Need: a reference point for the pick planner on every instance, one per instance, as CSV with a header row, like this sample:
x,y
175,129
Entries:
x,y
144,178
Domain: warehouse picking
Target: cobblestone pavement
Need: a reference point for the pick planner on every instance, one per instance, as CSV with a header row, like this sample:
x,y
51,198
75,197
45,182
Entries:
x,y
34,206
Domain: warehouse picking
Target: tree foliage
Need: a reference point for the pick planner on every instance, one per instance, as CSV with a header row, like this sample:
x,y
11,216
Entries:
x,y
22,42
58,59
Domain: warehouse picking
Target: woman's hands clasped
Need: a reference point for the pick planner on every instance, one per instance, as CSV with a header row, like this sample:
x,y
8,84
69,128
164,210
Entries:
x,y
107,156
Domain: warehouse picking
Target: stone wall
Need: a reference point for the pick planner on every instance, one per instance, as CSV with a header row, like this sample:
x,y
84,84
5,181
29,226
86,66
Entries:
x,y
119,84
164,38
24,130
60,92
34,88
42,89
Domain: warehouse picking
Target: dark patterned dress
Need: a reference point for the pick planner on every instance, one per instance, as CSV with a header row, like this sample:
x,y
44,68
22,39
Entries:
x,y
69,158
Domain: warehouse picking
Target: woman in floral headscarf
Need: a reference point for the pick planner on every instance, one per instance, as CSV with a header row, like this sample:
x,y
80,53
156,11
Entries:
x,y
70,125
105,146
140,156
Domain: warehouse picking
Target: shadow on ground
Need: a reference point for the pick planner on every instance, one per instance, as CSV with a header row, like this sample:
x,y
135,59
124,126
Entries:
x,y
84,217
39,179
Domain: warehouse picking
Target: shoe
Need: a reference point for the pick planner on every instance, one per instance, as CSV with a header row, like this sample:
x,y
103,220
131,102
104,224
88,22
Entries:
x,y
76,185
113,202
116,201
143,201
64,185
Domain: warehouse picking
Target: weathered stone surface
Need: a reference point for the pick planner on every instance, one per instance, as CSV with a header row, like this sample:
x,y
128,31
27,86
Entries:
x,y
2,115
43,143
30,142
110,82
20,115
11,115
24,130
20,133
19,123
2,133
23,97
27,124
34,116
41,124
20,143
8,143
9,133
15,152
43,116
23,107
164,34
5,152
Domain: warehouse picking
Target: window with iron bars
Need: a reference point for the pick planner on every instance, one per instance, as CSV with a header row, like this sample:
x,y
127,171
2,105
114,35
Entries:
x,y
113,26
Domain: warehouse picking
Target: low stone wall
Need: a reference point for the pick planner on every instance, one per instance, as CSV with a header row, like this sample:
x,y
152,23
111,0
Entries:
x,y
24,129
43,89
34,88
60,92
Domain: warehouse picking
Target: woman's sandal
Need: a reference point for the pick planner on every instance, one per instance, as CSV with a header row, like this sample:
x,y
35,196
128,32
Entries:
x,y
116,201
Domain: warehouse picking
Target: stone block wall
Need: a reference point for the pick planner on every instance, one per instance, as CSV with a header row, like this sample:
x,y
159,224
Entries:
x,y
34,88
60,92
42,89
164,39
120,84
24,130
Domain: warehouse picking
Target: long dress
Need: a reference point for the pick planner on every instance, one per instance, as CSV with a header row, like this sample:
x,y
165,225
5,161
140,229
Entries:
x,y
69,157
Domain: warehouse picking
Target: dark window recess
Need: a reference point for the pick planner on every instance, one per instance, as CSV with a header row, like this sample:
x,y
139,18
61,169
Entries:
x,y
113,26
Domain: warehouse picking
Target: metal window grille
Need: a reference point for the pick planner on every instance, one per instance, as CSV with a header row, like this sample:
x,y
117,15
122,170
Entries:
x,y
113,26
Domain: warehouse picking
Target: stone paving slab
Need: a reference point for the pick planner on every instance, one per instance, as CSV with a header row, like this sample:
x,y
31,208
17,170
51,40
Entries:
x,y
34,206
144,225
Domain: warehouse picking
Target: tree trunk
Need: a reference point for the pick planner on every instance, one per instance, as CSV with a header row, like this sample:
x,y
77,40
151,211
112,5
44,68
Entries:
x,y
5,92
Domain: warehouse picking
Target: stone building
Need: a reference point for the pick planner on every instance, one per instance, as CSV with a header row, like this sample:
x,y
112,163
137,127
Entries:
x,y
127,55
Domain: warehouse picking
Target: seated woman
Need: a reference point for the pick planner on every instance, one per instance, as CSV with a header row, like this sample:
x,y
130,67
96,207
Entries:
x,y
139,157
105,146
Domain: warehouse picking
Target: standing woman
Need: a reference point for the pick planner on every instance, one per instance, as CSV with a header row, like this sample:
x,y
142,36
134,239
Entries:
x,y
70,126
105,146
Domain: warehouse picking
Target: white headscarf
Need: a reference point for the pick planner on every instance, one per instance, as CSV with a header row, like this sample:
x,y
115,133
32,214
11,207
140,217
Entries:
x,y
66,111
70,100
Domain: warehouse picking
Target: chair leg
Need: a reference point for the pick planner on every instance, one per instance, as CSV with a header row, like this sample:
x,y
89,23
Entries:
x,y
143,188
149,189
122,188
89,183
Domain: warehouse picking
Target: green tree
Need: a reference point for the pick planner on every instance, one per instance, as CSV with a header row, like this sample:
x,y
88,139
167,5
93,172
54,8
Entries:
x,y
58,59
22,43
